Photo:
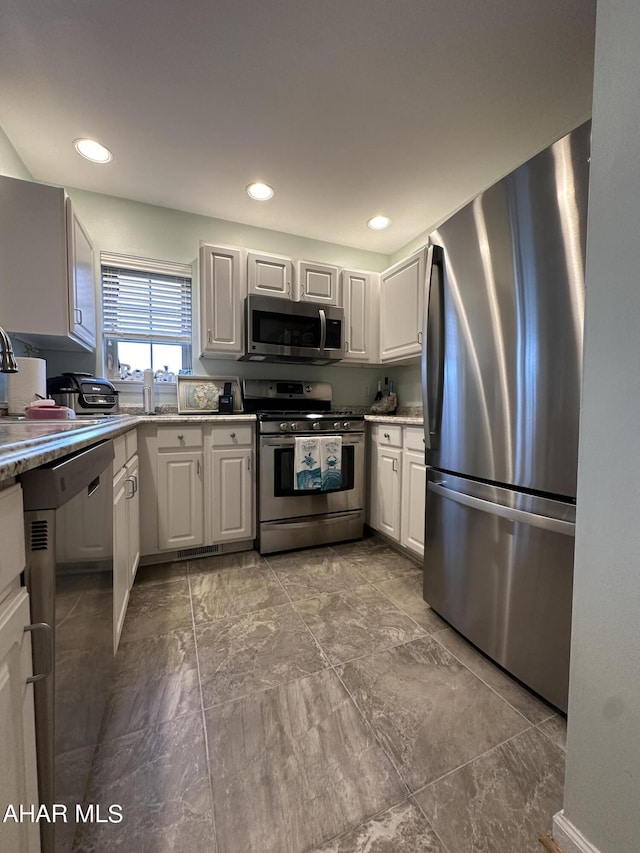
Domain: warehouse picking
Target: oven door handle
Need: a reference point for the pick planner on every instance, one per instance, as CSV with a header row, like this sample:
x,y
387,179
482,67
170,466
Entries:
x,y
323,329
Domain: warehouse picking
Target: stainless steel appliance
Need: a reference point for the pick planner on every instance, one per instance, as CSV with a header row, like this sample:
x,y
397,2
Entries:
x,y
282,330
69,574
84,393
291,518
501,375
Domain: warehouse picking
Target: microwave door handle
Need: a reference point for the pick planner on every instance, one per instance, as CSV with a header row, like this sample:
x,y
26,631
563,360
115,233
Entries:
x,y
323,329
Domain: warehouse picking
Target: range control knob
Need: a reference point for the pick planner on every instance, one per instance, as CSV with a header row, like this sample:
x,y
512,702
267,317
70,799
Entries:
x,y
294,426
346,425
315,425
337,425
285,427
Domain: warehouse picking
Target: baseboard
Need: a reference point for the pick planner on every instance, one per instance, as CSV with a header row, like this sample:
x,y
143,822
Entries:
x,y
568,838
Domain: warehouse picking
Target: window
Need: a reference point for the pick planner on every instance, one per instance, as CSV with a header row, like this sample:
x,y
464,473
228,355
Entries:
x,y
146,317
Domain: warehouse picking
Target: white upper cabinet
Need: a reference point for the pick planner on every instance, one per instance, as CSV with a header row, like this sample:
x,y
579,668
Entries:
x,y
270,275
360,291
222,291
47,292
318,283
401,305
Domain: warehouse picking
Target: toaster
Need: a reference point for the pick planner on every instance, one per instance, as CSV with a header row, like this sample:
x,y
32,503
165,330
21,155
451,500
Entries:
x,y
84,393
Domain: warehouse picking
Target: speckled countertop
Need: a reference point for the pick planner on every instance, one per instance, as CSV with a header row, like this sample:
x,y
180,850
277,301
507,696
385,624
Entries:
x,y
27,444
403,420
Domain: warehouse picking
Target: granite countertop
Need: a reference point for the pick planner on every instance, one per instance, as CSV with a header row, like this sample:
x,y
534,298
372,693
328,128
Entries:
x,y
27,444
403,420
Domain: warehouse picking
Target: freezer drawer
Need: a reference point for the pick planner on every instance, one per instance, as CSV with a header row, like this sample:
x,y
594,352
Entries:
x,y
498,567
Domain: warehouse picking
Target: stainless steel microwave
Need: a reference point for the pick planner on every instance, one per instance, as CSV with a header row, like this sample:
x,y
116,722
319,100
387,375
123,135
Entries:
x,y
282,330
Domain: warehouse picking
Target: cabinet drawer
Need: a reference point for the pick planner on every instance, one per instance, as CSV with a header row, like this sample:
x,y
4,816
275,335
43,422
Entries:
x,y
175,438
414,439
232,435
131,439
12,559
387,435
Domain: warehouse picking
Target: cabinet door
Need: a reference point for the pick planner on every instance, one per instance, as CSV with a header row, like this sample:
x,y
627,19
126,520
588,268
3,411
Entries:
x,y
82,305
133,518
414,485
386,492
121,490
18,779
232,495
180,500
360,294
222,291
401,301
318,283
270,275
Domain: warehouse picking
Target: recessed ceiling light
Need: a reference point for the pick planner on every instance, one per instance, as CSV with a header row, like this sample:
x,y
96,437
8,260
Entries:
x,y
260,191
92,150
379,223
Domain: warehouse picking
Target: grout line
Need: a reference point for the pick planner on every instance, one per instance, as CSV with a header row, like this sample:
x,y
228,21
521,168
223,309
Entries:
x,y
425,816
203,717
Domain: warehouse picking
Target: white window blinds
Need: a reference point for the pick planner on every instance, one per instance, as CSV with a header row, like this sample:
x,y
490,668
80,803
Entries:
x,y
144,300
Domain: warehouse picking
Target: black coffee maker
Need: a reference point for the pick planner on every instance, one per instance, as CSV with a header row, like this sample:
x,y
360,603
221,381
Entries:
x,y
225,401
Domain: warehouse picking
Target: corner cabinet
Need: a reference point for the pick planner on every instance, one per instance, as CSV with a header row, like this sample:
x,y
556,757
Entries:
x,y
360,291
401,308
222,291
42,241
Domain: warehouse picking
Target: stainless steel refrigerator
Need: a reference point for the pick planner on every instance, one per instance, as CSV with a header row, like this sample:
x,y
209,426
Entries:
x,y
501,376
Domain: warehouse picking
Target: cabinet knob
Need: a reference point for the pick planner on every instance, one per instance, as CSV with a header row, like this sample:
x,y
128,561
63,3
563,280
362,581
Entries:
x,y
180,436
387,436
233,435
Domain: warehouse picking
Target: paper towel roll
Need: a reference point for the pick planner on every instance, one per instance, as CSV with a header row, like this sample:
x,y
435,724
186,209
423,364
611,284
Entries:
x,y
24,386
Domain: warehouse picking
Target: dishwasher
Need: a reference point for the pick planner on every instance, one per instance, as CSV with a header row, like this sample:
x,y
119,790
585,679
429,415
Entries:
x,y
69,575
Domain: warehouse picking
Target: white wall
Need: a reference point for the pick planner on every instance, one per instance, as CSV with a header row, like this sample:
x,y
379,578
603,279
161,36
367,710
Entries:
x,y
602,794
10,162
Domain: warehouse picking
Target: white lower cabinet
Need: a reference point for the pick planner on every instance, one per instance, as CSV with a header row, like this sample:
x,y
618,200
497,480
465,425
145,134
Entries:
x,y
386,480
180,500
126,527
398,484
198,485
18,779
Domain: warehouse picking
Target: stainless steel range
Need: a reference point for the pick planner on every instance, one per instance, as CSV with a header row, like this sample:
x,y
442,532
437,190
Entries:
x,y
293,517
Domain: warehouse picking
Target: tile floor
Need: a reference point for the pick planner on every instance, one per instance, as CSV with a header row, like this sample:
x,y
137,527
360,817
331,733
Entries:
x,y
312,701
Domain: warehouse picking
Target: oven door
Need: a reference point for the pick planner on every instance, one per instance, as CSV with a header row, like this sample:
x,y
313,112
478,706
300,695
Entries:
x,y
279,499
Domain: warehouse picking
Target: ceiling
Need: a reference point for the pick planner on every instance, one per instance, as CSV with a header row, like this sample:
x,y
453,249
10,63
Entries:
x,y
348,108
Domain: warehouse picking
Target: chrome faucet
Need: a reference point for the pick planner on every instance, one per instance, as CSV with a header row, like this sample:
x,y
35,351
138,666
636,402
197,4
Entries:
x,y
8,364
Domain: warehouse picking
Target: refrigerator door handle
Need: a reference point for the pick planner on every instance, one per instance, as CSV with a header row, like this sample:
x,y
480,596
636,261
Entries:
x,y
556,525
432,348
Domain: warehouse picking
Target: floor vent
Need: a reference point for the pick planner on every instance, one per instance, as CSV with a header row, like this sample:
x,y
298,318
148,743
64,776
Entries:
x,y
198,552
39,535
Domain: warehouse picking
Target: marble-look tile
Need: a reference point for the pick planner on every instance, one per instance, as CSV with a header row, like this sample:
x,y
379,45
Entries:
x,y
429,711
379,562
529,705
321,573
504,800
356,622
160,777
72,772
156,609
406,593
294,766
231,592
255,651
401,829
216,562
161,573
153,657
555,728
300,557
